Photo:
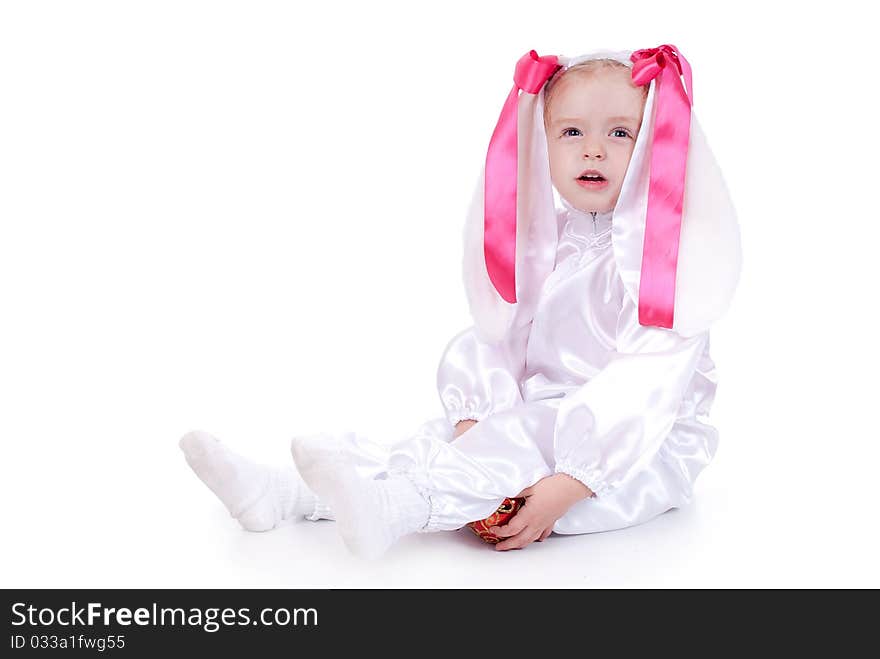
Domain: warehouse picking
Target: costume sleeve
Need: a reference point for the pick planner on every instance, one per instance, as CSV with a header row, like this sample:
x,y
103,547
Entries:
x,y
476,378
614,425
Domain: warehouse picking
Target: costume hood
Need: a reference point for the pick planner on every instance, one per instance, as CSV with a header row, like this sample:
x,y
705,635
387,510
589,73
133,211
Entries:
x,y
682,279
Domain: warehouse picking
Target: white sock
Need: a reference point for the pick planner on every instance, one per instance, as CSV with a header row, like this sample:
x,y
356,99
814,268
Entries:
x,y
258,496
371,515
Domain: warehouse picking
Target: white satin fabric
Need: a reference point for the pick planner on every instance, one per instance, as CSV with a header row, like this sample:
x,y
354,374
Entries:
x,y
583,390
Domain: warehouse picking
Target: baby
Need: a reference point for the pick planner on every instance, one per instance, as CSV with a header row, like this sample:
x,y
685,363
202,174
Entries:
x,y
570,401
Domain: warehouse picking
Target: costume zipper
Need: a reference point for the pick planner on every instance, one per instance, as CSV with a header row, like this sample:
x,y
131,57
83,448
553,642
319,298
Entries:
x,y
593,213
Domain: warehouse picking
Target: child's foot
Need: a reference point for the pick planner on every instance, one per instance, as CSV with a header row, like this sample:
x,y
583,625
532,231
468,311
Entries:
x,y
370,514
258,496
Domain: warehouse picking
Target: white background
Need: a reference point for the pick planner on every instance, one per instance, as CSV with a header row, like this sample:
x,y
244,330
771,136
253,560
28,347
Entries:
x,y
245,217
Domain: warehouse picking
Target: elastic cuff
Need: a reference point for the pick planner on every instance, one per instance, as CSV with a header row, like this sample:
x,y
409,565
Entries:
x,y
433,524
464,414
421,484
589,477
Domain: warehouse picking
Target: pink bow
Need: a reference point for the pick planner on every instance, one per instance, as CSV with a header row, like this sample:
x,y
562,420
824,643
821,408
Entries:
x,y
499,209
673,97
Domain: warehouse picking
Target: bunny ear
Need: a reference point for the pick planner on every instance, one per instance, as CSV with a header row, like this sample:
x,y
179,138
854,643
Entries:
x,y
670,121
710,251
511,231
694,269
492,315
536,233
500,175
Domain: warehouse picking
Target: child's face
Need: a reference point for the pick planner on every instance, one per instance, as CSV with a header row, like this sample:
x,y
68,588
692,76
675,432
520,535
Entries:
x,y
593,121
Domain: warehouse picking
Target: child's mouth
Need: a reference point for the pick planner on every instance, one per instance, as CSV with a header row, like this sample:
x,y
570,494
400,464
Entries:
x,y
592,180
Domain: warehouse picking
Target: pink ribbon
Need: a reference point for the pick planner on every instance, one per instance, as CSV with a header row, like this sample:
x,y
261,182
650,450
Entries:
x,y
669,149
499,209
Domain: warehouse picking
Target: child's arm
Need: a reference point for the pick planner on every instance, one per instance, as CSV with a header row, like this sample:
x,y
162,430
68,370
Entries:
x,y
476,378
613,426
546,501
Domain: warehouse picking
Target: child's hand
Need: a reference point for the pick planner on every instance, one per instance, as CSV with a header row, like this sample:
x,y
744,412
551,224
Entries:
x,y
546,501
461,426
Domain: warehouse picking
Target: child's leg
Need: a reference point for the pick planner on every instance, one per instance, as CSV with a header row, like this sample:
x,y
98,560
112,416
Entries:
x,y
371,458
258,496
430,483
469,477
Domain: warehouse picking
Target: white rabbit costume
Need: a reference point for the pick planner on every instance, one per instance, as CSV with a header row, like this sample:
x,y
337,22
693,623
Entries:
x,y
589,354
565,378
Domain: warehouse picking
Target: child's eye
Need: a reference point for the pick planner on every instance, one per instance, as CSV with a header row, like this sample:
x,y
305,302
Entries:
x,y
622,132
571,132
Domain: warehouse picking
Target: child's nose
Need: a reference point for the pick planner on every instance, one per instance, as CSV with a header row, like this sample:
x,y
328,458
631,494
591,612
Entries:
x,y
593,151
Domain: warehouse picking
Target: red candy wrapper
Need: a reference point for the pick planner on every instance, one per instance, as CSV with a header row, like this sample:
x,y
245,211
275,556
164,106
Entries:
x,y
500,517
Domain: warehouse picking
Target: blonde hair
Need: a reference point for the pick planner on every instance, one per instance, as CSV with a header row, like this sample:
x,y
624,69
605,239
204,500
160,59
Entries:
x,y
590,67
